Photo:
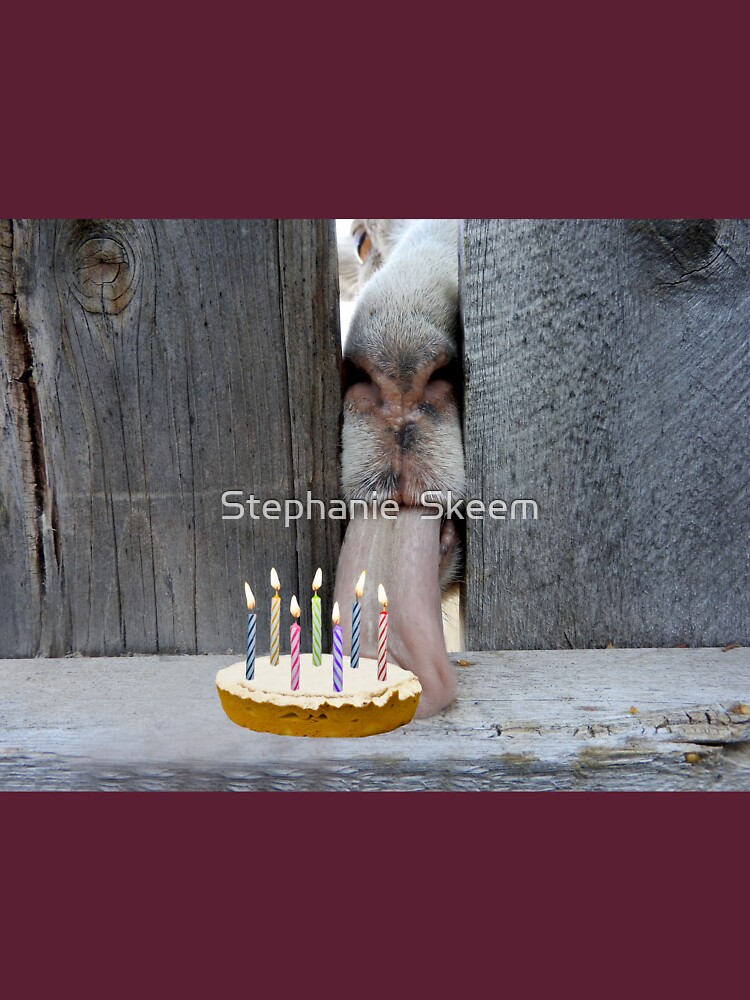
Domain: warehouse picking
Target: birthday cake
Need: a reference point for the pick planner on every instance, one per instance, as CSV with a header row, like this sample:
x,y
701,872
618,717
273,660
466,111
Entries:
x,y
364,707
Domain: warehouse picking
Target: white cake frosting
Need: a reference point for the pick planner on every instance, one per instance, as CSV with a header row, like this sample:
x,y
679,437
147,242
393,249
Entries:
x,y
361,686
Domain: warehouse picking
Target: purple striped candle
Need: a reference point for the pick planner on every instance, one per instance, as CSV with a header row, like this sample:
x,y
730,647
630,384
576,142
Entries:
x,y
338,650
356,612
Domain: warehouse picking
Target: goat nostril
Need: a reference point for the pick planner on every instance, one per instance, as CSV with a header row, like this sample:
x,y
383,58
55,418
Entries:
x,y
448,372
354,375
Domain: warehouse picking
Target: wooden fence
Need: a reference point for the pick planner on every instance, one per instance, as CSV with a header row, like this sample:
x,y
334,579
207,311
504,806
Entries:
x,y
608,378
148,366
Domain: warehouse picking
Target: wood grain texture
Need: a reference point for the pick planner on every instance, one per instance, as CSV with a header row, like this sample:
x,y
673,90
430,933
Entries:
x,y
21,509
608,378
167,361
585,719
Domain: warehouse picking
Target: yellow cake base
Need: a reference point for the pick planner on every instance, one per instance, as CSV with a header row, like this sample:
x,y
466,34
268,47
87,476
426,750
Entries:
x,y
365,707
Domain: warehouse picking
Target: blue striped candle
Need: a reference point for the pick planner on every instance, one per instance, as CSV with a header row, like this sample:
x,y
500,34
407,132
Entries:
x,y
356,612
250,656
338,651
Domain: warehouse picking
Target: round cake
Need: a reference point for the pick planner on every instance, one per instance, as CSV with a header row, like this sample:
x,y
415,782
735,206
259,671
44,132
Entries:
x,y
366,706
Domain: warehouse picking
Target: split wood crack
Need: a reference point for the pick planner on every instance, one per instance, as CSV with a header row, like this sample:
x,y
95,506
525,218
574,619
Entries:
x,y
715,726
41,509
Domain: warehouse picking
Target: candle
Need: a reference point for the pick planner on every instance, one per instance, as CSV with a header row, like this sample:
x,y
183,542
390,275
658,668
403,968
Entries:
x,y
275,618
294,635
250,656
382,635
356,610
338,647
317,639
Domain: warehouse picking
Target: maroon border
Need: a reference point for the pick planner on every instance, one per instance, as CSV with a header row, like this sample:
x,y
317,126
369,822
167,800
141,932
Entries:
x,y
547,157
521,892
513,892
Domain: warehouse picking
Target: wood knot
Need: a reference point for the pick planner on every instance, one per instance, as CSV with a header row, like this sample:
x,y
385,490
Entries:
x,y
681,251
103,267
690,241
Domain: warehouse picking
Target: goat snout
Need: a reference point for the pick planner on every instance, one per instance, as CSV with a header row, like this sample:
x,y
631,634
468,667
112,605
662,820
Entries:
x,y
401,404
401,433
401,437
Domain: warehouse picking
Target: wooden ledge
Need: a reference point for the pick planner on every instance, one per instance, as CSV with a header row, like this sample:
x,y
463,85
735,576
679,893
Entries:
x,y
637,719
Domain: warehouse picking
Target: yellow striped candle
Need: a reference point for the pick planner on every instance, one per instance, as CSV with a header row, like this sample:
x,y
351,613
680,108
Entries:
x,y
275,618
317,637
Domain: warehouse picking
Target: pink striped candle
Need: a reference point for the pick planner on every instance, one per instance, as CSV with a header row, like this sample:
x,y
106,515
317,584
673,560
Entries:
x,y
338,650
382,635
294,639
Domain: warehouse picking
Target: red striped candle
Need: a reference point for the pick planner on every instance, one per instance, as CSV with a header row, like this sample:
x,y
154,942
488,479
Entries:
x,y
294,639
382,635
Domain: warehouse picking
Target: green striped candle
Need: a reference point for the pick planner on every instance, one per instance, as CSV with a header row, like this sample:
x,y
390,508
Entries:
x,y
317,636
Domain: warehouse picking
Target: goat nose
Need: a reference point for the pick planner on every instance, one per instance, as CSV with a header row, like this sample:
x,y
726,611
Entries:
x,y
399,401
398,411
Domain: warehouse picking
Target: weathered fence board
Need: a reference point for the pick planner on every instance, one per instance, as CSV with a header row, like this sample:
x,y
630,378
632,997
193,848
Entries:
x,y
152,365
608,379
585,719
21,551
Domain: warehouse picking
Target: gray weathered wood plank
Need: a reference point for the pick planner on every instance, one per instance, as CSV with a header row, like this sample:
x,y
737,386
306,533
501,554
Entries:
x,y
166,361
584,719
608,378
21,551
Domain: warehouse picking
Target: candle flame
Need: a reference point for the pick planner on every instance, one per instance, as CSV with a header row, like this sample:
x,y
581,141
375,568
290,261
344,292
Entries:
x,y
294,607
317,579
336,616
249,597
275,579
381,595
360,588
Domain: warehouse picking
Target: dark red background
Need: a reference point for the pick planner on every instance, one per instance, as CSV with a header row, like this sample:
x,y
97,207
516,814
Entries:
x,y
466,895
580,111
577,110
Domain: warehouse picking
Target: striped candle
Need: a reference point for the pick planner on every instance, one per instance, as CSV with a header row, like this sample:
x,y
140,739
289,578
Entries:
x,y
382,635
294,638
356,612
317,636
275,618
250,656
338,650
